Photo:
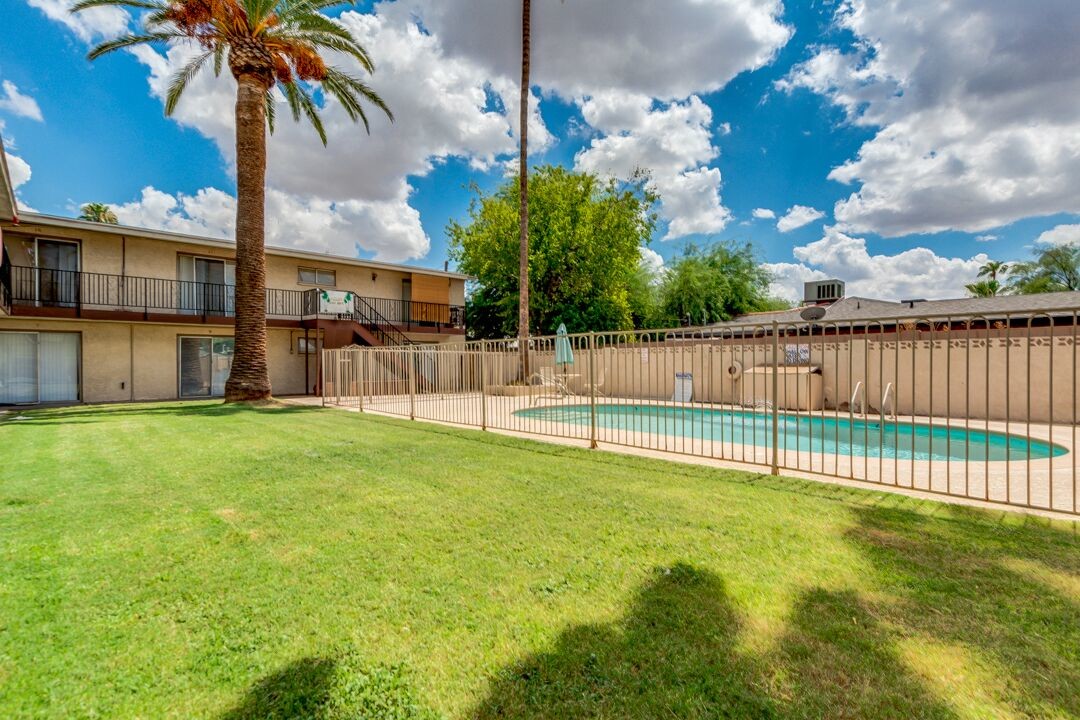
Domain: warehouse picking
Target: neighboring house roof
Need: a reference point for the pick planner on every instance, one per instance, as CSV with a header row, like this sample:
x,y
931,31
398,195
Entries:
x,y
855,309
8,209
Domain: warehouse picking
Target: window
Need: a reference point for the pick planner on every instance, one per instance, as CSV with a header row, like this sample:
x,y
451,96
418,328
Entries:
x,y
314,276
204,365
306,346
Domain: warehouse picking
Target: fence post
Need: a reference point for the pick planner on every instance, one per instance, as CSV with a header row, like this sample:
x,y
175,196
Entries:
x,y
483,384
411,374
592,390
362,354
321,355
775,396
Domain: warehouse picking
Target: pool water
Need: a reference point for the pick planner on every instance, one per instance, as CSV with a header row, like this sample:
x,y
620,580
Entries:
x,y
807,433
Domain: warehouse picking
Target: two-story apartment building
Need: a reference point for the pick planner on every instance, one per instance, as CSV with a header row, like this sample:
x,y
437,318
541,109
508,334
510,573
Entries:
x,y
91,312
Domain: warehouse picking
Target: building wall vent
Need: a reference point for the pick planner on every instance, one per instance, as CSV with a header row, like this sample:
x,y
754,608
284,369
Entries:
x,y
823,291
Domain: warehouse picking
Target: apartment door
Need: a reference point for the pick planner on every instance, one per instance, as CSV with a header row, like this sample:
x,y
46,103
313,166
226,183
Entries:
x,y
38,367
57,272
204,365
207,285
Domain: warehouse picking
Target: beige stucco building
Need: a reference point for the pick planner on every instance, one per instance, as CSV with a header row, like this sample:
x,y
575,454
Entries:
x,y
97,313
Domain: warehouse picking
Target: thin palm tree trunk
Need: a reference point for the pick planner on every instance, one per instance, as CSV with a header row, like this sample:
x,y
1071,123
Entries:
x,y
249,378
523,179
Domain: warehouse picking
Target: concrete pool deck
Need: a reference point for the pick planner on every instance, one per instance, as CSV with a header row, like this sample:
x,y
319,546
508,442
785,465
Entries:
x,y
1046,487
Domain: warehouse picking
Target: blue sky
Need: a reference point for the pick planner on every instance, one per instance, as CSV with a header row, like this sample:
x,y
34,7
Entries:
x,y
820,84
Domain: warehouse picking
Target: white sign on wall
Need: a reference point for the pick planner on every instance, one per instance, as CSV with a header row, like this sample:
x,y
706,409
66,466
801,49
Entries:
x,y
335,302
684,387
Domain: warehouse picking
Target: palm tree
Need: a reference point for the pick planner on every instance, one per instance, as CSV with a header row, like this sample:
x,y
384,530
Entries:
x,y
98,212
983,288
523,179
267,44
993,268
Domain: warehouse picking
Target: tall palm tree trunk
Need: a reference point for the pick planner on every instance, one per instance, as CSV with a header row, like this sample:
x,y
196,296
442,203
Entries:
x,y
249,378
523,179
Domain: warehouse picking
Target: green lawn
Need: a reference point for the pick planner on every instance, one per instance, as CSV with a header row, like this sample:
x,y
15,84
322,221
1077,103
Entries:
x,y
194,560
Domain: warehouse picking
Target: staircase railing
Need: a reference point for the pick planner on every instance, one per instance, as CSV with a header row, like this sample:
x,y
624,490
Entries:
x,y
376,324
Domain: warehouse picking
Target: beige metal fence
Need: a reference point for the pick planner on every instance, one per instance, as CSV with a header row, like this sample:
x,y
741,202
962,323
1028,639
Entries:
x,y
971,406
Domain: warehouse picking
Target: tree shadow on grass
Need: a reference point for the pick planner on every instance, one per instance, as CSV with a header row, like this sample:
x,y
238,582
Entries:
x,y
339,687
86,414
1011,593
676,655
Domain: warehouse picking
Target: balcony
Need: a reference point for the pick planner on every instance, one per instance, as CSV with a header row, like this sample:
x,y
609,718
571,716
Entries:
x,y
30,291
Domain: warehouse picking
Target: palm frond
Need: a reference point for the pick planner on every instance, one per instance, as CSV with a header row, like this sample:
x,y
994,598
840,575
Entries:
x,y
219,58
136,4
270,110
300,102
350,91
181,79
129,40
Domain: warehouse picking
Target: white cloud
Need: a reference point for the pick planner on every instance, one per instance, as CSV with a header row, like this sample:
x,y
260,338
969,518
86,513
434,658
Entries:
x,y
978,112
19,170
724,128
673,142
763,214
667,50
985,238
1060,235
797,216
88,25
17,104
652,260
391,230
914,273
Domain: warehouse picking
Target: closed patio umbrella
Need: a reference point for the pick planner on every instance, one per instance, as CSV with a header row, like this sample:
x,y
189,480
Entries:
x,y
564,352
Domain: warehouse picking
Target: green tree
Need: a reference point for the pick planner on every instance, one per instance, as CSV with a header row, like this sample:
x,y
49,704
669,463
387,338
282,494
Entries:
x,y
714,283
983,288
1055,269
993,268
585,236
266,44
98,212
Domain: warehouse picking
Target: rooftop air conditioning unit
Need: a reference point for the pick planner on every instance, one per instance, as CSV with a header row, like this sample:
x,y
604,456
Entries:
x,y
823,291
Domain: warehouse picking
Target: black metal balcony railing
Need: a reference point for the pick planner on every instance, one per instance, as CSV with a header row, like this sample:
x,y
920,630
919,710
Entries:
x,y
42,287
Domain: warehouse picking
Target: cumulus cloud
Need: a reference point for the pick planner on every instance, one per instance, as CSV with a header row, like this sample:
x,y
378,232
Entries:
x,y
977,107
798,216
388,230
915,273
652,260
763,214
1060,235
19,170
667,50
88,25
673,142
18,104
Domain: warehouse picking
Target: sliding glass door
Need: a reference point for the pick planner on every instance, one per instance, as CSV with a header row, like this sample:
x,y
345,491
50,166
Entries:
x,y
207,285
204,365
57,273
38,367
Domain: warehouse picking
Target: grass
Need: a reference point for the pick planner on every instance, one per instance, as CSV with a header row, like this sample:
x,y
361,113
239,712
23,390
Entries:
x,y
195,560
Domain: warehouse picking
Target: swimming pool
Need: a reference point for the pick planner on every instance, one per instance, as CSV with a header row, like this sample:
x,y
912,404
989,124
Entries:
x,y
806,433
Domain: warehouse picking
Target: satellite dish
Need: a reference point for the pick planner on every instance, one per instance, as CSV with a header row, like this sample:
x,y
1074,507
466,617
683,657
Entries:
x,y
812,312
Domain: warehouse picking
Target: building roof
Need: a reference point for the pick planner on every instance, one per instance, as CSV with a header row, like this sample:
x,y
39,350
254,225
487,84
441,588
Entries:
x,y
9,213
8,209
855,309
